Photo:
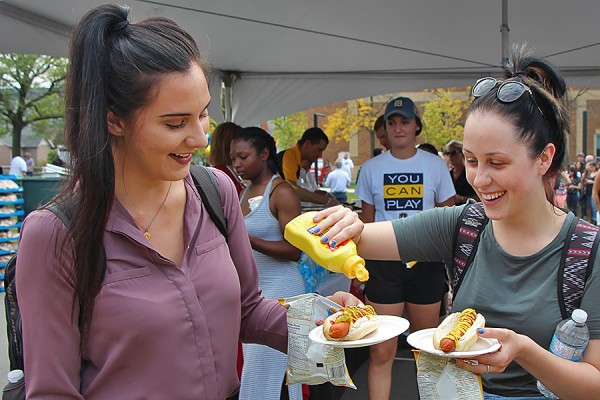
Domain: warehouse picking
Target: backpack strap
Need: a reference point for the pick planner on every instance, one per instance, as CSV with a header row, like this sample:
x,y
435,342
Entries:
x,y
466,237
208,188
576,264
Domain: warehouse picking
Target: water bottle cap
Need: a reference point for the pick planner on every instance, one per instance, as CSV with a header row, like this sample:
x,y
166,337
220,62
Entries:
x,y
15,375
579,316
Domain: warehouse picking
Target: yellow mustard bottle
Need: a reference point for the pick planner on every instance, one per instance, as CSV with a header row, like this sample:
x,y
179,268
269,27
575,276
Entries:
x,y
343,258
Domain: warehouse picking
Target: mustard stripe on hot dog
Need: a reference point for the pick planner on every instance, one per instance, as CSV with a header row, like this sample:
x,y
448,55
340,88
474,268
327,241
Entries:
x,y
350,323
458,331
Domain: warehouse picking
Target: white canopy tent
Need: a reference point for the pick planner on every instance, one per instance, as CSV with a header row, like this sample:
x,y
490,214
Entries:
x,y
276,57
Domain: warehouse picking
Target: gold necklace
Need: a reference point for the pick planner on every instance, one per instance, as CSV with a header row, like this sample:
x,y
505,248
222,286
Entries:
x,y
147,229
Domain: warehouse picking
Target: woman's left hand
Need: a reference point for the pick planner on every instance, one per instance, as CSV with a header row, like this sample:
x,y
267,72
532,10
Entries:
x,y
345,299
496,362
342,223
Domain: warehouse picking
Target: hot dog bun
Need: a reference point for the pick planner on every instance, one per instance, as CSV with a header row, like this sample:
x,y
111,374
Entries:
x,y
466,337
359,322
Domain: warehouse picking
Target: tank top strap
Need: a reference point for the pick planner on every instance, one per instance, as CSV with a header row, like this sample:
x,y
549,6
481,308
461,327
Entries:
x,y
267,193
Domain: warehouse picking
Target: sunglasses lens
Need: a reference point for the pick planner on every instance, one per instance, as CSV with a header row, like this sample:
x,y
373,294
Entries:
x,y
483,86
510,91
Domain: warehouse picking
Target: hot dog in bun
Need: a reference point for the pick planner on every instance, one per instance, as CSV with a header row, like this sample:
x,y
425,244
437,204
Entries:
x,y
458,331
350,323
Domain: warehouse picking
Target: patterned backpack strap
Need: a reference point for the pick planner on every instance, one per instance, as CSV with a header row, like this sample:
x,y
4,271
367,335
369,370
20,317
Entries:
x,y
576,264
466,237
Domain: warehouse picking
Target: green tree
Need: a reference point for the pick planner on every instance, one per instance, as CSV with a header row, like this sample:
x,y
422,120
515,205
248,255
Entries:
x,y
287,130
357,116
443,118
31,93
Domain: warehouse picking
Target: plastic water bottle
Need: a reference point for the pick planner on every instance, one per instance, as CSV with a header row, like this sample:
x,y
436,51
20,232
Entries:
x,y
15,389
569,342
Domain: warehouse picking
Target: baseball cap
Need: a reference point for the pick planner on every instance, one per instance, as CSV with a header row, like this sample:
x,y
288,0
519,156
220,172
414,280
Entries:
x,y
402,106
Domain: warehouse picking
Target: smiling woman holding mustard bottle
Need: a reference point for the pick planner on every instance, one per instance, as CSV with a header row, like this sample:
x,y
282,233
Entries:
x,y
515,140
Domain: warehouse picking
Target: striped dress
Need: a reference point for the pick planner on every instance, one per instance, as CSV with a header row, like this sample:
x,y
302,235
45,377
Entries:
x,y
264,368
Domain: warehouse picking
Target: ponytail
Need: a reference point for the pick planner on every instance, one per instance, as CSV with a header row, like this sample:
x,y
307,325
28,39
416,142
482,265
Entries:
x,y
114,65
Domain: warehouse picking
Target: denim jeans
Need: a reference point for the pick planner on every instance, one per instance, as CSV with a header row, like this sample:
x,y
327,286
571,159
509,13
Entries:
x,y
488,396
340,196
592,209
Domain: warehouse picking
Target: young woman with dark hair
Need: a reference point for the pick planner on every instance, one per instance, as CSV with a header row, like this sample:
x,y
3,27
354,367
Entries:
x,y
141,296
268,204
515,140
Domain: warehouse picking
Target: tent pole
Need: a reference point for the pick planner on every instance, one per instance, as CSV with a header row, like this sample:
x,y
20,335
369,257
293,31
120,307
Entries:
x,y
504,30
227,79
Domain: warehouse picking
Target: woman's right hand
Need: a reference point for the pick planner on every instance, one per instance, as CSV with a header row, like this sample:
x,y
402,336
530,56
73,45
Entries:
x,y
342,222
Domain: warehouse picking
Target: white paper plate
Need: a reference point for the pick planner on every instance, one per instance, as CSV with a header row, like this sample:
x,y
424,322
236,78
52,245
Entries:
x,y
423,340
390,326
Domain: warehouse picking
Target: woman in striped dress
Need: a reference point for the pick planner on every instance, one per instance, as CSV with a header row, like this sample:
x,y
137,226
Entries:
x,y
268,204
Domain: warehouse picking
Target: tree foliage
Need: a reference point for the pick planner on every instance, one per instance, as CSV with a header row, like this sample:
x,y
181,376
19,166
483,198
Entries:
x,y
31,93
357,116
288,130
443,118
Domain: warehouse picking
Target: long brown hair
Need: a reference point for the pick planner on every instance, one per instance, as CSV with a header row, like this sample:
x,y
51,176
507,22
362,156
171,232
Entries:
x,y
220,140
114,65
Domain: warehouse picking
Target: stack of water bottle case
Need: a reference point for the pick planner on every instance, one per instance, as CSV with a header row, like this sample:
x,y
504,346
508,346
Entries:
x,y
11,215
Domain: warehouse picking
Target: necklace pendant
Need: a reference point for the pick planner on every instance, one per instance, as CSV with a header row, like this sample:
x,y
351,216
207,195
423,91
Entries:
x,y
147,234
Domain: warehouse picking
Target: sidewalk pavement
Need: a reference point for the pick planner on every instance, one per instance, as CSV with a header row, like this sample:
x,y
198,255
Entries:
x,y
404,377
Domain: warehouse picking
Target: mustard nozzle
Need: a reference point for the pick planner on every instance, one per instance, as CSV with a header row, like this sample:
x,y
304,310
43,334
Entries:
x,y
354,267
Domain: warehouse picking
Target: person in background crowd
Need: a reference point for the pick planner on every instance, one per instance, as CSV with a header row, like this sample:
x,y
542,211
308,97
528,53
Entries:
x,y
218,157
596,195
309,148
515,140
581,158
379,128
589,158
429,148
401,182
18,166
561,182
142,270
268,204
587,180
455,155
29,162
347,164
338,181
573,189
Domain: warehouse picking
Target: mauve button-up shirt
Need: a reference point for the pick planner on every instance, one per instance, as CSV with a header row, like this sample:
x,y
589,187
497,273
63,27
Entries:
x,y
157,331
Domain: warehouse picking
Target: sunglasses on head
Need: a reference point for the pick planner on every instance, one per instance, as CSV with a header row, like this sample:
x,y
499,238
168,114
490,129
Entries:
x,y
508,91
451,153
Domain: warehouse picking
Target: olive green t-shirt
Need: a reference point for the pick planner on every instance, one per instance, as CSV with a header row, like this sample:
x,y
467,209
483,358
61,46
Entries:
x,y
513,292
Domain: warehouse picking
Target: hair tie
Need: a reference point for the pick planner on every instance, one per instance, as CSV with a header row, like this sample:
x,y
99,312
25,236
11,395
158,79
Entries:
x,y
121,25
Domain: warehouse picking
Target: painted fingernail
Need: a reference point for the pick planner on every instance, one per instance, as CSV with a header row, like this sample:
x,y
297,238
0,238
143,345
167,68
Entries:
x,y
332,243
315,218
480,331
324,239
